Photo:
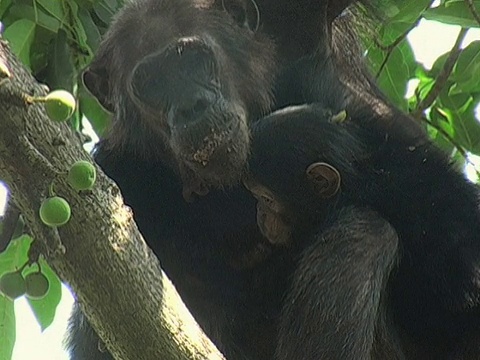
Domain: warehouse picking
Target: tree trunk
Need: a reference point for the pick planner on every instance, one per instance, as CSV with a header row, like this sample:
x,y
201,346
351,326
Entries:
x,y
99,252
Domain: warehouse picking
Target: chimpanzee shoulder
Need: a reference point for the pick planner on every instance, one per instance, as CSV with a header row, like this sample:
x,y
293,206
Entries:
x,y
184,80
431,297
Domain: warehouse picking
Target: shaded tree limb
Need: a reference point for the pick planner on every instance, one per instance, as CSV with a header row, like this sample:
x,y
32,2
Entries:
x,y
100,253
473,10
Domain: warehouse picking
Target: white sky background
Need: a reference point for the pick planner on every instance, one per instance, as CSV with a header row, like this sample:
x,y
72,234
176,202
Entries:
x,y
429,40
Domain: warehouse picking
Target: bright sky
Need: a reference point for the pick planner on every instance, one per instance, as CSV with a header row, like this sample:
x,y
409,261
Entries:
x,y
429,41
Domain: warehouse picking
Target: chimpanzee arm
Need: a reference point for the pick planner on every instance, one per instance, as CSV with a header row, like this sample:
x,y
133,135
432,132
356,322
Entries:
x,y
334,303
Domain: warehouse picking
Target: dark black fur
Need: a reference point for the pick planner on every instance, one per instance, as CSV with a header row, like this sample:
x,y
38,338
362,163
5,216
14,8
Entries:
x,y
432,296
156,127
183,77
331,308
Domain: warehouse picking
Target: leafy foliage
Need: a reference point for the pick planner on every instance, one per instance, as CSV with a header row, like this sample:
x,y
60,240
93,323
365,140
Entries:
x,y
57,39
447,95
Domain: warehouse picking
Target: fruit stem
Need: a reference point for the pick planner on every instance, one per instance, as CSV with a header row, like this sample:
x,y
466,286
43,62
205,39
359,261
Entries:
x,y
51,190
34,99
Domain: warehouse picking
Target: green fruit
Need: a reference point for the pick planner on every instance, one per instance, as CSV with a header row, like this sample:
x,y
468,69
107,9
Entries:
x,y
12,285
82,175
55,211
37,285
60,105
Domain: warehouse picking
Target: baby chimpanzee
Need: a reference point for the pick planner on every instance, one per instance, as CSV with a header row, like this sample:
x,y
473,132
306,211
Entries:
x,y
389,239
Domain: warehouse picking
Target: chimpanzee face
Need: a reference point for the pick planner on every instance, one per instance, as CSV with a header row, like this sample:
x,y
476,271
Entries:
x,y
183,78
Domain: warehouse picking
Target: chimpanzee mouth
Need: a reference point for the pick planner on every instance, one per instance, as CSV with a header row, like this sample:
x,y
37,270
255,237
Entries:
x,y
219,156
213,142
215,149
215,146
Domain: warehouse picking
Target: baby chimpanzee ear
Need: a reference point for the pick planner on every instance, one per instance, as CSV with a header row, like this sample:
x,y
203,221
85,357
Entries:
x,y
324,179
244,12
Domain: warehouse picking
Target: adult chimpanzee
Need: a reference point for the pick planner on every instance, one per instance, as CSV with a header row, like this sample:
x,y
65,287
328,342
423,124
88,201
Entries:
x,y
315,187
182,77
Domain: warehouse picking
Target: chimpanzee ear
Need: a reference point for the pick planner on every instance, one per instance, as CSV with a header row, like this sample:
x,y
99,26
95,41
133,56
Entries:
x,y
244,12
95,80
324,179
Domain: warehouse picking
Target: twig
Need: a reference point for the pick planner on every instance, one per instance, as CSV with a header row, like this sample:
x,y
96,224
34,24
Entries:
x,y
389,48
452,141
473,10
447,136
442,77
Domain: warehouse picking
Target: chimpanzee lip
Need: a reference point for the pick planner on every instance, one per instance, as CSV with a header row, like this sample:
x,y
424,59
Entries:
x,y
220,157
212,143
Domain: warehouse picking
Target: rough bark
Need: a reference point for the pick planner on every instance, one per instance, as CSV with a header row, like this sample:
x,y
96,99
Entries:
x,y
99,252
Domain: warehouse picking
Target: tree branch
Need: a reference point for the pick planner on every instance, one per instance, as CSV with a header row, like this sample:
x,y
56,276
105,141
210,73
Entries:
x,y
448,137
99,252
473,11
442,77
389,48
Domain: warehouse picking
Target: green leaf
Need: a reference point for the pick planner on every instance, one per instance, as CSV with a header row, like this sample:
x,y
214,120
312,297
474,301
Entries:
x,y
468,63
80,34
114,5
44,309
20,35
39,17
19,228
60,72
94,112
104,11
76,120
54,8
467,70
40,52
91,30
438,65
15,255
460,110
454,13
399,69
424,87
443,120
409,10
7,328
4,5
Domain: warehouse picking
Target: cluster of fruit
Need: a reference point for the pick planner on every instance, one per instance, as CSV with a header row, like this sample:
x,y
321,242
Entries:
x,y
54,211
14,284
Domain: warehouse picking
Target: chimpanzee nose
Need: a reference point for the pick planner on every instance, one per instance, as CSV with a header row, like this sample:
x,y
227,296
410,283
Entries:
x,y
192,108
187,114
191,43
181,79
196,61
193,56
